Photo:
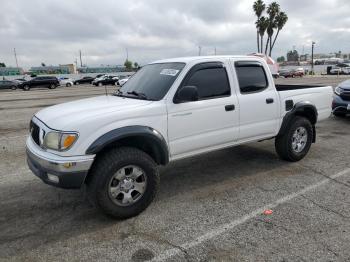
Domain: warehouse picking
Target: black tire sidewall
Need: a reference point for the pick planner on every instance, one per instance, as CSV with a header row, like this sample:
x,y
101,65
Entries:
x,y
109,166
300,122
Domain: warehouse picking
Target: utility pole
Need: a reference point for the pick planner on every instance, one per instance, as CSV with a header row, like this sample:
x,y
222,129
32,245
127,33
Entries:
x,y
127,54
199,50
81,62
215,50
312,57
14,51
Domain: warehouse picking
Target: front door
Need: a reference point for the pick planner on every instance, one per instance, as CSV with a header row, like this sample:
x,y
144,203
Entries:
x,y
210,122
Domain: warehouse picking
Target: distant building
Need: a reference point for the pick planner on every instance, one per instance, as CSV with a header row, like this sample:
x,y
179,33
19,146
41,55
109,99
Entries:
x,y
47,70
11,71
102,69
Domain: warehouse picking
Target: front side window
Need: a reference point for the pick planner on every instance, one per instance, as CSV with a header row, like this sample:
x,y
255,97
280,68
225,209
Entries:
x,y
211,82
152,82
251,77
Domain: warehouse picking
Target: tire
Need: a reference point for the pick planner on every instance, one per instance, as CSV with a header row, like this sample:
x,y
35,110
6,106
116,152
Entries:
x,y
52,86
100,84
295,149
77,83
68,85
26,88
339,114
102,176
13,87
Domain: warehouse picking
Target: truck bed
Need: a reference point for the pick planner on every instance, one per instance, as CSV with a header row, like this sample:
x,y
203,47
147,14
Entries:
x,y
281,88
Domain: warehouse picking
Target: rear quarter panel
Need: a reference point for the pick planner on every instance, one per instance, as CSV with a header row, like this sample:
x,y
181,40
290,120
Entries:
x,y
320,97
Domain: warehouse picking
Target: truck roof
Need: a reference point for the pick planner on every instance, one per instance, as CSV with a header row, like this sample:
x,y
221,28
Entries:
x,y
196,58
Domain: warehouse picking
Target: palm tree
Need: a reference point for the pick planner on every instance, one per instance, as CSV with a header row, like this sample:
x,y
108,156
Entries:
x,y
272,10
262,24
259,8
281,20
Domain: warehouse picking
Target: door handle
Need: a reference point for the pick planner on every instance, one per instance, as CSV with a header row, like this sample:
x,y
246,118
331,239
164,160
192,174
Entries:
x,y
269,100
230,107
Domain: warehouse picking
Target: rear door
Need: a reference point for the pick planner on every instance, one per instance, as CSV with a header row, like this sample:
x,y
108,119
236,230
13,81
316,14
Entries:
x,y
210,122
258,100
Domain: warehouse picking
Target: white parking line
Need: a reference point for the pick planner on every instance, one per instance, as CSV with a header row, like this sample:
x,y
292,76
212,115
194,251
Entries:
x,y
229,226
13,137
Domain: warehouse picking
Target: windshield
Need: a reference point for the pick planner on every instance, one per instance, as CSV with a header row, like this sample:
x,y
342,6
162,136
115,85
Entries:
x,y
152,81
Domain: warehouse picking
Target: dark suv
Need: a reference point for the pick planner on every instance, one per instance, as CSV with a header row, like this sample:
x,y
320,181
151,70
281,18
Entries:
x,y
40,81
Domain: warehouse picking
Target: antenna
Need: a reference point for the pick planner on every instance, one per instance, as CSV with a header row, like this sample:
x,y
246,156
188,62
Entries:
x,y
14,51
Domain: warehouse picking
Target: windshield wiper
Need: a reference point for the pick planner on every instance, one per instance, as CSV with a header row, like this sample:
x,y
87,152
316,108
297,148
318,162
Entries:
x,y
140,95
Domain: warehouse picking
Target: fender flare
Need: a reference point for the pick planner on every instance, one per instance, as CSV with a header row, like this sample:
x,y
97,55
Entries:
x,y
304,108
159,144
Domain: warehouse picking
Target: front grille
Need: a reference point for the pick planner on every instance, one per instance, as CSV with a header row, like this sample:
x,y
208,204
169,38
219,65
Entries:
x,y
345,96
35,132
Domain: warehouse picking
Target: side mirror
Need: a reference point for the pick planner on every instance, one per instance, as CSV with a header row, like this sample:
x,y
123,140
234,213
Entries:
x,y
187,94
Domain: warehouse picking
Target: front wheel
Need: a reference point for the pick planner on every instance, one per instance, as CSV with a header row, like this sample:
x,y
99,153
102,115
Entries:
x,y
13,87
337,114
68,85
123,182
52,86
296,142
26,88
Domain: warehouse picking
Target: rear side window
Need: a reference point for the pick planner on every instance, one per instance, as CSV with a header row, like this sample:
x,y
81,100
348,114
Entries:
x,y
251,77
212,82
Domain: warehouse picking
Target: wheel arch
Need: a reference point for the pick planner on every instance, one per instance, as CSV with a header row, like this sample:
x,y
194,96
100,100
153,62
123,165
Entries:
x,y
144,138
304,109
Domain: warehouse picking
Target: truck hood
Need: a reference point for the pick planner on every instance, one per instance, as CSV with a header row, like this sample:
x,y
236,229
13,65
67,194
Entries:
x,y
67,114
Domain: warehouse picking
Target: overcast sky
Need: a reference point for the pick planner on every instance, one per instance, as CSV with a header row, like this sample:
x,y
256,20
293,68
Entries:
x,y
53,31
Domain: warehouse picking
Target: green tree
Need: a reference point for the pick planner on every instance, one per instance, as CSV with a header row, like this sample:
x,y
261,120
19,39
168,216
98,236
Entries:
x,y
281,20
262,24
136,65
272,10
2,65
128,64
259,8
281,59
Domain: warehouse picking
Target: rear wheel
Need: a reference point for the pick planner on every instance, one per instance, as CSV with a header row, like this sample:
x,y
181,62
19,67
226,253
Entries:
x,y
26,88
123,182
13,87
52,86
100,84
68,85
296,142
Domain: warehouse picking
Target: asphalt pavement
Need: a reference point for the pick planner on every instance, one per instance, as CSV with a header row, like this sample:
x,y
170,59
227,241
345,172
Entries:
x,y
210,207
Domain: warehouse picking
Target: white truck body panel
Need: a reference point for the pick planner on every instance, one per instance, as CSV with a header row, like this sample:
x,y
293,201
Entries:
x,y
189,128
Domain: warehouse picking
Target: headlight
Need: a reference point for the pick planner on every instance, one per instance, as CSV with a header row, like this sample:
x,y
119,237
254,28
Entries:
x,y
338,90
59,141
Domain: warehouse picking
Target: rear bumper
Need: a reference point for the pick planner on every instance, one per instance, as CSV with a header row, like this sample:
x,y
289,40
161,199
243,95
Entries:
x,y
63,172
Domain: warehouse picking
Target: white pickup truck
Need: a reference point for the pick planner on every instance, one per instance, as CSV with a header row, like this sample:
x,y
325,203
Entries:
x,y
169,110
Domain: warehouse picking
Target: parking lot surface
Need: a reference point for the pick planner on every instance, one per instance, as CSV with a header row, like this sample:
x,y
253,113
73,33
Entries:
x,y
209,208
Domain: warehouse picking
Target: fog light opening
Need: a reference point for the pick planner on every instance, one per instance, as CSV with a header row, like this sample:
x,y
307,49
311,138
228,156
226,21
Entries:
x,y
53,178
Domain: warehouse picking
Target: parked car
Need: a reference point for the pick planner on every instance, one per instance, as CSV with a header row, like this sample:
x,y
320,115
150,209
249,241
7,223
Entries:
x,y
341,100
7,84
336,71
84,80
65,81
105,80
169,110
20,80
122,80
291,73
40,81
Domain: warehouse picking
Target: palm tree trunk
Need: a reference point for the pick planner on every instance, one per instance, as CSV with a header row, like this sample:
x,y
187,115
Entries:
x,y
274,41
267,44
257,40
261,43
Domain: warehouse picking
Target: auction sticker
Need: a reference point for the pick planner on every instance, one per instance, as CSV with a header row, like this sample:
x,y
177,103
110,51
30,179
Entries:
x,y
169,72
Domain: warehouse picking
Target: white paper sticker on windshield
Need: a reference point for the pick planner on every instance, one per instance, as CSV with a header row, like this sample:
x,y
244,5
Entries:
x,y
169,72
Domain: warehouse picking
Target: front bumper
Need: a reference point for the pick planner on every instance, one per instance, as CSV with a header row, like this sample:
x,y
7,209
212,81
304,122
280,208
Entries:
x,y
63,172
340,105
